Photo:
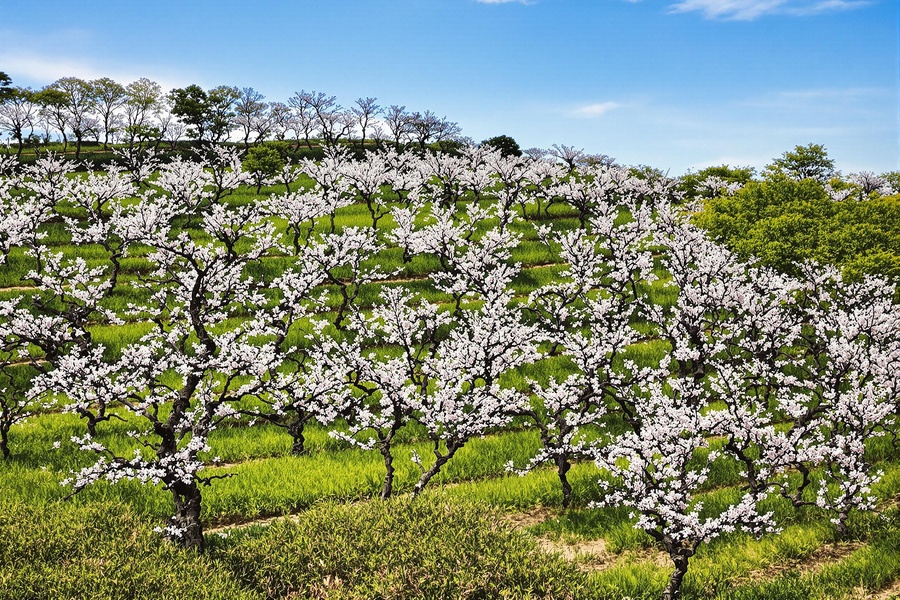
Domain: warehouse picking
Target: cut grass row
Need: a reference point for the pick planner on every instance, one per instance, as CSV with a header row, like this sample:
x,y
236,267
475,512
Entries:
x,y
434,546
266,482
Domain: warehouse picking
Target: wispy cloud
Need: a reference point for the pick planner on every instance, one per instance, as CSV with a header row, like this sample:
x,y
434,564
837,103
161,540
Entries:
x,y
41,69
46,68
505,1
824,101
596,109
747,10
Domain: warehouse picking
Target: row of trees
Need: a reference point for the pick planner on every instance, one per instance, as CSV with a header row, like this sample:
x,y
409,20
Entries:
x,y
662,339
105,110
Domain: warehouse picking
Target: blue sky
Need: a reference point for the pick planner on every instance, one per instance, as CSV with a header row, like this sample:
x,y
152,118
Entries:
x,y
676,84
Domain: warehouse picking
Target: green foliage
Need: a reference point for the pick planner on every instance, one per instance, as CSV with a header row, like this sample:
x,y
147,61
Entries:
x,y
893,179
784,221
208,113
690,183
505,144
6,89
262,162
50,97
803,162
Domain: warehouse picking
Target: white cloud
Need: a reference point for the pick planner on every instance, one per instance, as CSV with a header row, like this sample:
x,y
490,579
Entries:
x,y
824,102
45,68
747,10
37,70
596,109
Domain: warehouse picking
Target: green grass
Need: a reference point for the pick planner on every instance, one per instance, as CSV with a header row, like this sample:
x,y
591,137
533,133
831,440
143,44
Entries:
x,y
344,545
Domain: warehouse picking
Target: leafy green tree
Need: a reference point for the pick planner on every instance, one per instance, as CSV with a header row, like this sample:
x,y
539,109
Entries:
x,y
263,163
52,104
692,183
221,111
142,98
803,162
505,144
6,89
191,105
783,221
209,115
893,179
109,96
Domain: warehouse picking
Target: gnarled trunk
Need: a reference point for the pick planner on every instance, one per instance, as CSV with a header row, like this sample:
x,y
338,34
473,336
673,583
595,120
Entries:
x,y
562,467
388,487
295,429
673,589
186,527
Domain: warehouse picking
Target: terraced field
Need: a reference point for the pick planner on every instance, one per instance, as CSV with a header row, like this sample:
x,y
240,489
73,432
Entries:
x,y
283,526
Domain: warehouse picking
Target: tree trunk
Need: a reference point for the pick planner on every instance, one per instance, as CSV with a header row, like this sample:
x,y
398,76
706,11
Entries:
x,y
841,525
441,460
388,487
186,521
673,589
298,447
562,467
91,425
4,441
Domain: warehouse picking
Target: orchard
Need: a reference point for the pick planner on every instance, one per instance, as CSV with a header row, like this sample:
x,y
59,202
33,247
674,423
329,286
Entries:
x,y
208,344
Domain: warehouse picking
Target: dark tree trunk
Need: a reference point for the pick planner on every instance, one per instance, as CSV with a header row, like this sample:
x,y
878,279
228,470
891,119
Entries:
x,y
673,589
388,487
441,460
295,429
91,425
189,530
562,467
4,441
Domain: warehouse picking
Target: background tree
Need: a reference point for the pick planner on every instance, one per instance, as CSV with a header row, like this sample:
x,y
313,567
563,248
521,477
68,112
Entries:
x,y
398,123
279,120
222,100
447,135
18,114
783,222
329,116
142,99
810,161
170,127
5,86
423,127
692,184
79,106
505,144
108,96
263,163
191,104
304,118
53,108
567,154
252,115
364,112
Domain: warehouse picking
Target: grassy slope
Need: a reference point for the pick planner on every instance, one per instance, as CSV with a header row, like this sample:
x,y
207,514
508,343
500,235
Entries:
x,y
93,538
